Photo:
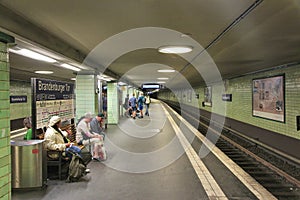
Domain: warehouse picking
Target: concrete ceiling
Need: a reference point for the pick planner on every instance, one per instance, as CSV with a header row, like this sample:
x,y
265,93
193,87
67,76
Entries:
x,y
238,37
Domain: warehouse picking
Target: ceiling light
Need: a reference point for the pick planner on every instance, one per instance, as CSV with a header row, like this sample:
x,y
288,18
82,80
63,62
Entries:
x,y
107,79
160,82
33,55
163,78
175,49
73,79
43,72
121,83
166,70
67,66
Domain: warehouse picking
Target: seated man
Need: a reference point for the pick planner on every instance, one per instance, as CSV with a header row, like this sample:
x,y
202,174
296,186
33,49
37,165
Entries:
x,y
96,125
56,140
85,137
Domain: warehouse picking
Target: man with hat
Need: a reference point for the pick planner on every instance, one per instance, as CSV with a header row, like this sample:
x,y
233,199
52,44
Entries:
x,y
96,124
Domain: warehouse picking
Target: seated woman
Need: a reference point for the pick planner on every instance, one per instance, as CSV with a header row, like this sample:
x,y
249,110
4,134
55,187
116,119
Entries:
x,y
56,140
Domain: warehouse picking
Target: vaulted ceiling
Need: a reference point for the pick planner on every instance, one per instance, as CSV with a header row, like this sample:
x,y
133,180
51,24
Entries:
x,y
229,38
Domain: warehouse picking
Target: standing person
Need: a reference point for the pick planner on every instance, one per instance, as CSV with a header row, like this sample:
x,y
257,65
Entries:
x,y
96,125
104,107
126,105
28,125
104,101
85,137
133,105
147,102
141,101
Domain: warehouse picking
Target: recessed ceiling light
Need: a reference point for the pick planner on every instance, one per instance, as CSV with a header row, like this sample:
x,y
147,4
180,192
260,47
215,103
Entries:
x,y
166,70
43,72
67,66
163,78
33,55
175,49
160,82
73,79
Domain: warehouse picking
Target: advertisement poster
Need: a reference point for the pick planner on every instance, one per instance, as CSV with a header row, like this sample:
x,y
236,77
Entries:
x,y
268,98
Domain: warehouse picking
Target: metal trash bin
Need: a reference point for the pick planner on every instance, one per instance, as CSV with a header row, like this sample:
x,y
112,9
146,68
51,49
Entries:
x,y
28,165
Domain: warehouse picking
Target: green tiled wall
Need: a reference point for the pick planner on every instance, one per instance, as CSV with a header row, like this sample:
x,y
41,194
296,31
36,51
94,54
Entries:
x,y
20,110
5,164
112,103
241,106
85,94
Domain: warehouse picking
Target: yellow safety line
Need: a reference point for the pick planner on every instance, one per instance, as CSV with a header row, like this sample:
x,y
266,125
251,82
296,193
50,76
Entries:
x,y
256,188
209,184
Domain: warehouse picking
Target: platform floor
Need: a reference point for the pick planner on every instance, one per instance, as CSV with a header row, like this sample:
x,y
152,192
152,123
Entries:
x,y
146,160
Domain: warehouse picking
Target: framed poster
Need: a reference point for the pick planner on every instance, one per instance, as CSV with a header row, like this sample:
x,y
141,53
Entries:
x,y
208,96
268,98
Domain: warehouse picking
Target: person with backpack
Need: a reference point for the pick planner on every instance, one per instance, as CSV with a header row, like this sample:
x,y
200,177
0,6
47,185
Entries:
x,y
141,101
133,106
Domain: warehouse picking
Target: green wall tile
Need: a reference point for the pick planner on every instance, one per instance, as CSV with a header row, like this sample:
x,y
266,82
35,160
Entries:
x,y
5,166
4,95
4,76
4,191
4,151
4,113
4,66
4,142
4,104
241,106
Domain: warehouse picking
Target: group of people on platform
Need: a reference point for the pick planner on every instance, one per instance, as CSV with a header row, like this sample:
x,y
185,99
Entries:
x,y
135,105
89,132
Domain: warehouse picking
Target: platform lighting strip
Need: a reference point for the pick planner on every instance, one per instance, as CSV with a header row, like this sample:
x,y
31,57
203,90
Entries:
x,y
175,49
43,72
67,66
166,70
37,56
33,55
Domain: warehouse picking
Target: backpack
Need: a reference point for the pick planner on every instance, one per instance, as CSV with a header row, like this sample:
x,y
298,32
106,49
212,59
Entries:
x,y
76,169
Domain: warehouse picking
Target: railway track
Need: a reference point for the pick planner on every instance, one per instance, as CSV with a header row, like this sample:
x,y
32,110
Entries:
x,y
281,184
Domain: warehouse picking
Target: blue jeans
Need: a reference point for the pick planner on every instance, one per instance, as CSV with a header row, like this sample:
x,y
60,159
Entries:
x,y
73,150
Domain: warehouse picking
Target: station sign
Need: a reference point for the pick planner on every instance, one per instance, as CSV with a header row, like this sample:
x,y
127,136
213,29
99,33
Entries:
x,y
18,99
226,97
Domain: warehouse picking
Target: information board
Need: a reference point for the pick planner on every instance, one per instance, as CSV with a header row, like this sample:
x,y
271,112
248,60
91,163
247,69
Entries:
x,y
51,98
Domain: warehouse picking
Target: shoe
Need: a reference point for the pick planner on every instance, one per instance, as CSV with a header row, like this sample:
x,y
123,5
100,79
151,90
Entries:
x,y
87,170
97,159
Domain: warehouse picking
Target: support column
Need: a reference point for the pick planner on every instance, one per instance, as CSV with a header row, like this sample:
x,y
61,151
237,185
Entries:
x,y
5,151
124,91
86,96
112,103
130,91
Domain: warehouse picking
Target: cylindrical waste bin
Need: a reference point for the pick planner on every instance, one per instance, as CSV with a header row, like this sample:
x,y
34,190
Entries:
x,y
27,164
